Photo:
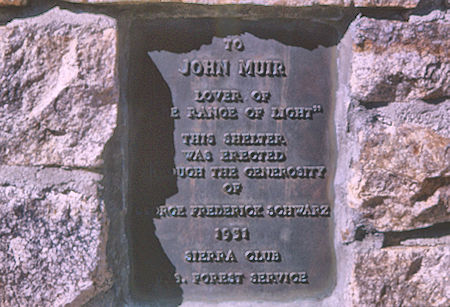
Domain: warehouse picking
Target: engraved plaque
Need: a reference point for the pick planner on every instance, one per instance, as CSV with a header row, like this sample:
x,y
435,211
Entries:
x,y
231,161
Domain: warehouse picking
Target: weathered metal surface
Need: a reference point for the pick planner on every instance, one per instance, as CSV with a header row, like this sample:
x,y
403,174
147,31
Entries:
x,y
231,165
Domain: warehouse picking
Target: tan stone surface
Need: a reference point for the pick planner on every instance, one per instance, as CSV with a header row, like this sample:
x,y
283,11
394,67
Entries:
x,y
402,276
386,3
58,89
400,180
13,2
52,237
399,60
288,3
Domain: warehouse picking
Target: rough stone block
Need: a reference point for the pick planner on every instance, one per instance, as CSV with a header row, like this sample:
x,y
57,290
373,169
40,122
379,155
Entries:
x,y
400,180
289,3
13,2
52,237
402,276
399,60
386,3
58,89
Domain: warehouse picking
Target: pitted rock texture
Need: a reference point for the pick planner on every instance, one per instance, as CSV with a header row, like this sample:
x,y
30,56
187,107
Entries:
x,y
58,89
418,113
13,2
386,3
52,237
402,276
401,60
408,4
401,178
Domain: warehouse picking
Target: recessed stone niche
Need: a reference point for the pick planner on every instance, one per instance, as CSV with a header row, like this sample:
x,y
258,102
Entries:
x,y
174,154
231,160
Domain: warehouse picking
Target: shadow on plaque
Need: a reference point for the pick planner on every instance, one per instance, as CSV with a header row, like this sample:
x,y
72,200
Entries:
x,y
151,154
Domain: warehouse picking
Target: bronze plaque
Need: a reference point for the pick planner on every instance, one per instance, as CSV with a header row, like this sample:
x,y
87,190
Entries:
x,y
231,162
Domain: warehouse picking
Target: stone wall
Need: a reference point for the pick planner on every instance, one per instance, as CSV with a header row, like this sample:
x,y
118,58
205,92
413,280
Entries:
x,y
63,137
398,168
58,109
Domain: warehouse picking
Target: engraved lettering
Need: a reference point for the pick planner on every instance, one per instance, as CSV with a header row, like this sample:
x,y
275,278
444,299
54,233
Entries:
x,y
171,211
226,96
222,278
236,233
237,43
198,139
263,256
247,68
266,68
198,155
254,139
179,279
212,113
227,43
279,278
254,113
209,256
185,68
174,112
298,210
252,120
190,172
224,172
290,172
230,211
260,96
325,210
197,68
299,113
232,188
210,68
252,156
